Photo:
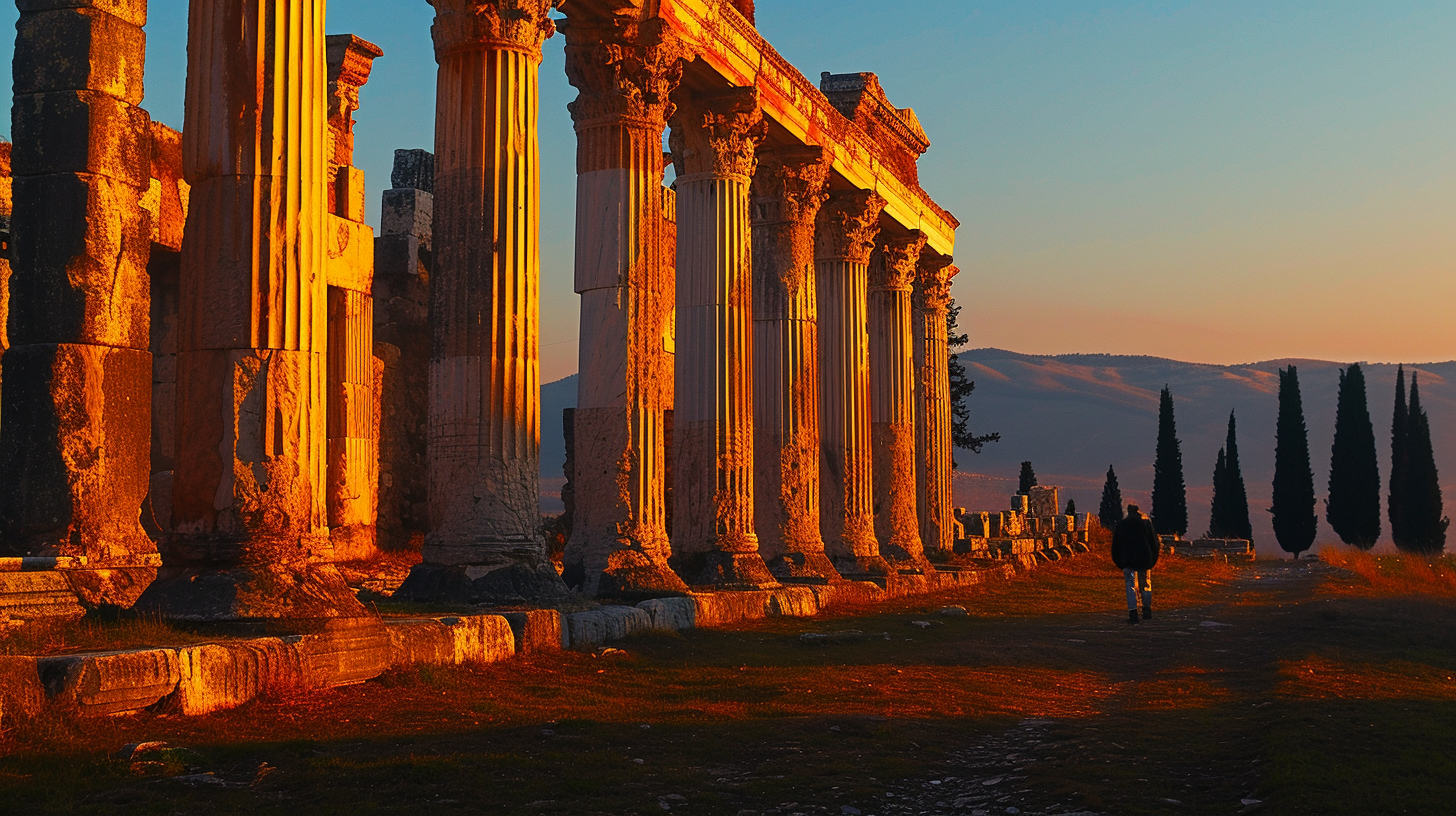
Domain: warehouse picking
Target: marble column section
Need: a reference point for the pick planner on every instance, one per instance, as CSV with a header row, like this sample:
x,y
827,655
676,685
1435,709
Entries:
x,y
249,506
485,389
848,227
76,440
625,72
788,190
713,140
892,399
933,490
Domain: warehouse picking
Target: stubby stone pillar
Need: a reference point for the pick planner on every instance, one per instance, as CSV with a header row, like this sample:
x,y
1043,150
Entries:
x,y
353,426
249,507
932,403
848,226
625,72
892,400
788,190
76,439
713,141
485,389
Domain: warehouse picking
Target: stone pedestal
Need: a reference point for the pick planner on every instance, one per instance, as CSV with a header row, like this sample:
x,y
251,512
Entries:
x,y
249,501
625,72
848,226
892,400
933,445
77,392
713,142
485,390
788,190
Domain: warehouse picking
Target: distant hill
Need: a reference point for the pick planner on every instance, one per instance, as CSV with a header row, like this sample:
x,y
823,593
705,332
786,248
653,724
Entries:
x,y
1073,415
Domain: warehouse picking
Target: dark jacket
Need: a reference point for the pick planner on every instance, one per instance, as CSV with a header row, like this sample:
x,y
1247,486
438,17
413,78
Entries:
x,y
1135,545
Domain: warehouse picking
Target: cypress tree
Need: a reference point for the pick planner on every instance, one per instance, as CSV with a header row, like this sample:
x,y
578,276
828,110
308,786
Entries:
x,y
1170,499
1236,522
1421,515
1028,479
1294,518
961,388
1110,511
1071,507
1217,512
1398,461
1353,505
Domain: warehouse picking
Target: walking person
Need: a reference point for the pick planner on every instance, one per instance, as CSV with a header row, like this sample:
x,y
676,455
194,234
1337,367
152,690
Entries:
x,y
1135,548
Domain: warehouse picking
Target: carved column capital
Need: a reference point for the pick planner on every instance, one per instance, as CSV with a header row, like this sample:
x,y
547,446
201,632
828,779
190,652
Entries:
x,y
898,263
718,134
848,225
517,25
790,185
932,282
624,69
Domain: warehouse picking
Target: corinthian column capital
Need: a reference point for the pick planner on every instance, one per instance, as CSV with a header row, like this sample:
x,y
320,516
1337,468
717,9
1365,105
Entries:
x,y
790,185
718,134
516,25
624,69
899,259
933,277
848,225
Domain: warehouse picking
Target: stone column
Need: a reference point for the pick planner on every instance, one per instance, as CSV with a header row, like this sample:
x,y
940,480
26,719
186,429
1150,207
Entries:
x,y
848,226
933,451
353,430
76,439
625,72
713,141
788,190
892,400
249,507
485,389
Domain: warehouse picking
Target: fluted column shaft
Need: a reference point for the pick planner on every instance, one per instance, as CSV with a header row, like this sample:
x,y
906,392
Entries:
x,y
619,540
713,141
788,190
484,429
848,225
934,495
892,399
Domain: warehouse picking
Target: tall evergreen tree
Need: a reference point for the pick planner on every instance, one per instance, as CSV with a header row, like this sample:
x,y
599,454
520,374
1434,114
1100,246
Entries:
x,y
1216,512
1235,501
1294,518
1353,505
961,388
1071,507
1399,460
1028,479
1110,511
1421,515
1170,498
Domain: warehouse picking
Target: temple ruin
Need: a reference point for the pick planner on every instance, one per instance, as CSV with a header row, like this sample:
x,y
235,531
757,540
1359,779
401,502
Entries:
x,y
218,381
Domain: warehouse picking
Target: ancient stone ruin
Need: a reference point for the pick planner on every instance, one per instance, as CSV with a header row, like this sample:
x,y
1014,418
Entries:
x,y
218,382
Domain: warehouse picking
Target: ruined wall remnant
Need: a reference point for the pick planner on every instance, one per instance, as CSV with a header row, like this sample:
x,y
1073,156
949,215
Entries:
x,y
77,387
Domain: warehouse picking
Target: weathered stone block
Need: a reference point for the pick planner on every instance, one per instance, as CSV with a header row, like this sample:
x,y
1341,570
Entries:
x,y
352,650
1064,524
793,602
169,194
1044,502
76,444
349,193
111,682
131,11
219,676
80,249
71,49
671,614
1019,504
537,630
408,212
413,169
21,694
350,256
451,641
588,629
82,132
33,595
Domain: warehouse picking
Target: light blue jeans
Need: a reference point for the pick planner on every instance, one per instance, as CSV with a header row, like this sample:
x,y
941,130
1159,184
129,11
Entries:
x,y
1138,580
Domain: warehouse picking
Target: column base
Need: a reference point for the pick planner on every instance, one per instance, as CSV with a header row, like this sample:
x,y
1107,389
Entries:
x,y
904,559
504,583
251,593
354,542
629,574
860,567
111,587
801,567
721,570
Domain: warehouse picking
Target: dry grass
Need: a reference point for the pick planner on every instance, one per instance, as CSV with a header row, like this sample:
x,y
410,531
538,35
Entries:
x,y
1390,575
95,633
1319,678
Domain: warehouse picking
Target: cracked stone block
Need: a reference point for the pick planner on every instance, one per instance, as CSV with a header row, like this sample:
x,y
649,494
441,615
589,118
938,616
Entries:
x,y
111,682
537,630
82,132
66,49
131,11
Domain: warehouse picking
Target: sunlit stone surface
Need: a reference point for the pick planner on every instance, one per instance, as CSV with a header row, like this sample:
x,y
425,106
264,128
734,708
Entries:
x,y
932,402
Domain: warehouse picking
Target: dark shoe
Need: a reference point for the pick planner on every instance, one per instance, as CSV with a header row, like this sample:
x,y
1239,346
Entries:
x,y
1132,616
1147,612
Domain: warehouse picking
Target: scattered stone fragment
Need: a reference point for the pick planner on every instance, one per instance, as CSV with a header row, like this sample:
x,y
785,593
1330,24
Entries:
x,y
955,612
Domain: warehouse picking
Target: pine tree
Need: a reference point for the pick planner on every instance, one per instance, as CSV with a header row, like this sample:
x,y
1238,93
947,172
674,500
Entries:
x,y
1235,522
1110,511
1294,518
961,388
1353,505
1421,516
1028,479
1170,498
1071,507
1398,461
1217,512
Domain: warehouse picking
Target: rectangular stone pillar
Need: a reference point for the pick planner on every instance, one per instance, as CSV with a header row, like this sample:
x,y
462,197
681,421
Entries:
x,y
714,138
403,259
848,226
75,441
932,402
166,201
249,498
892,399
625,72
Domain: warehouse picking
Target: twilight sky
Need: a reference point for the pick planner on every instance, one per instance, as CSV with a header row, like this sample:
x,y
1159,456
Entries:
x,y
1221,181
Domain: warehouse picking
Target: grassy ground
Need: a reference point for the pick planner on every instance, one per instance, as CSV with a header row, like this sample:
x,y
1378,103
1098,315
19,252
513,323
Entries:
x,y
1321,687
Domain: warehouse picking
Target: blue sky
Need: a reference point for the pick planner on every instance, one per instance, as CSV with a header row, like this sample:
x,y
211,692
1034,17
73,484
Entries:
x,y
1212,181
